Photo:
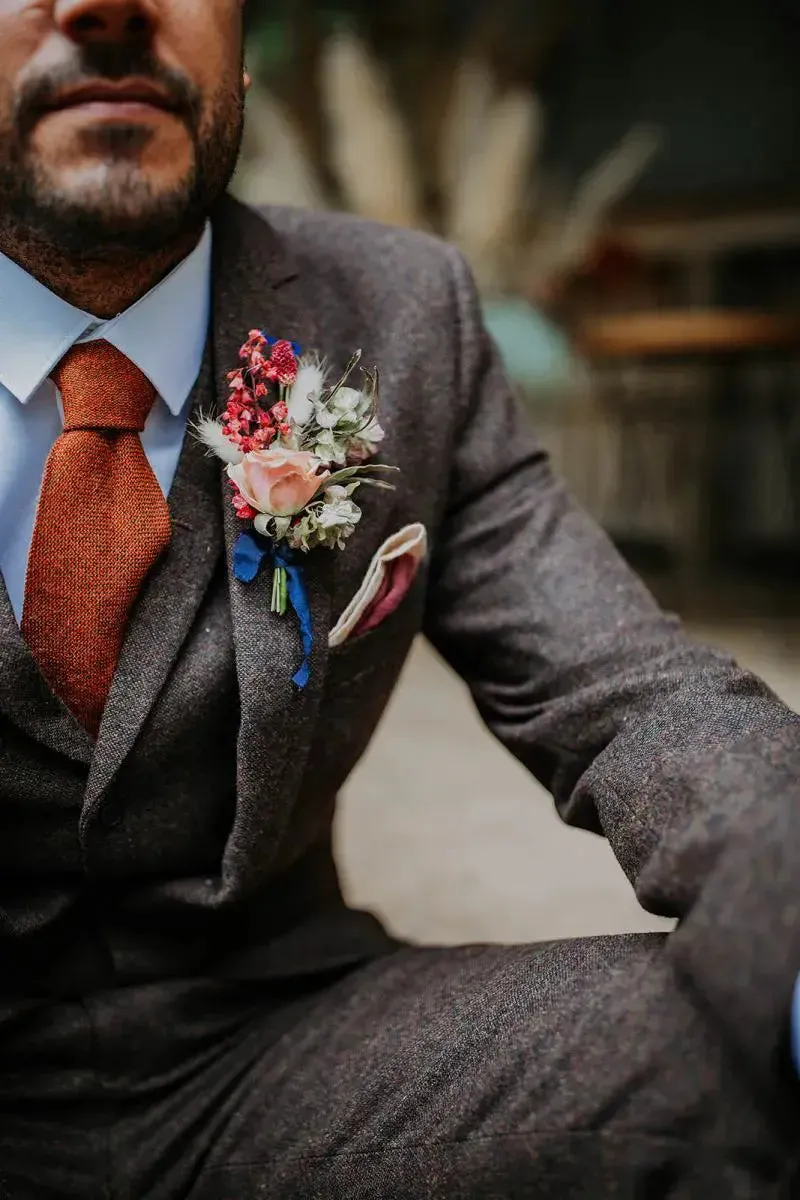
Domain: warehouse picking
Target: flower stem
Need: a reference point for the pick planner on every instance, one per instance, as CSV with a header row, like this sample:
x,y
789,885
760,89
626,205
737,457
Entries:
x,y
279,591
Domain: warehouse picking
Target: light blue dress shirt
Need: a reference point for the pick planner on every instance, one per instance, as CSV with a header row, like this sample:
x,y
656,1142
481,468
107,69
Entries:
x,y
164,334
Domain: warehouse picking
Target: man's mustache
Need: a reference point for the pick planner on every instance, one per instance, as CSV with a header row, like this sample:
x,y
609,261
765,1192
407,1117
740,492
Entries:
x,y
111,63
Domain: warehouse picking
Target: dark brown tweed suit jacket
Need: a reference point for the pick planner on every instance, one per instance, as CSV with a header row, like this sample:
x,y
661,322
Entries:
x,y
688,765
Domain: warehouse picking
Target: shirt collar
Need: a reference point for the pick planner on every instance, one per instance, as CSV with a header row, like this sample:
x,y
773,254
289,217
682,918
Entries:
x,y
37,328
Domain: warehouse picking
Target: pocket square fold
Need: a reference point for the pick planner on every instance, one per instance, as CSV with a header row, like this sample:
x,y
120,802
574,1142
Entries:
x,y
389,576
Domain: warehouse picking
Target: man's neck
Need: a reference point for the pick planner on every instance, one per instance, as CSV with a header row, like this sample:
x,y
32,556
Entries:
x,y
103,286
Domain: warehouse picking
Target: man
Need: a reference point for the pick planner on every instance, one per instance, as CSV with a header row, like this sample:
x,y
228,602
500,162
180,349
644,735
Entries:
x,y
188,1008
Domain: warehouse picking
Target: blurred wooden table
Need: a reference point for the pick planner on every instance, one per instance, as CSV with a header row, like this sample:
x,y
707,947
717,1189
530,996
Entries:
x,y
685,332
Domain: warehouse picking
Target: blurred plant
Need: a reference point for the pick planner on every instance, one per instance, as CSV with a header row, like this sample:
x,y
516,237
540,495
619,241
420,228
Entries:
x,y
395,113
490,143
276,166
368,142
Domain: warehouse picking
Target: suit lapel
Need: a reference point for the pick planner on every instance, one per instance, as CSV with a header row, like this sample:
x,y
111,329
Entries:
x,y
256,287
168,604
26,697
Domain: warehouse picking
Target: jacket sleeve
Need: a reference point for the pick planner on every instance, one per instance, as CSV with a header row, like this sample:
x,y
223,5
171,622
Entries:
x,y
572,664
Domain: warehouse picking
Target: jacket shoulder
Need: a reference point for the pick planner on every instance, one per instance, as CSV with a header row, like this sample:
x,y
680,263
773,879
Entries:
x,y
354,246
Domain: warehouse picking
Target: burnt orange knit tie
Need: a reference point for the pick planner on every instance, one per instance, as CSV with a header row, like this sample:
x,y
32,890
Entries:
x,y
101,524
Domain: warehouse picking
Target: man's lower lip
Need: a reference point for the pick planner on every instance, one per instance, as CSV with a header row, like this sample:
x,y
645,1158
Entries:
x,y
115,110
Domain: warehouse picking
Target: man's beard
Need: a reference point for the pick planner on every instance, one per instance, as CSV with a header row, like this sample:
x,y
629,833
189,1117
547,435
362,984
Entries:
x,y
121,212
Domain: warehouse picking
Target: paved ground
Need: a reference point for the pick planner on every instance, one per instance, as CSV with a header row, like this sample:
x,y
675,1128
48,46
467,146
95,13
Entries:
x,y
447,837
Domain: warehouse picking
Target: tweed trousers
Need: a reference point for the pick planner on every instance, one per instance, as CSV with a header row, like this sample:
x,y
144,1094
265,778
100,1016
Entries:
x,y
567,1069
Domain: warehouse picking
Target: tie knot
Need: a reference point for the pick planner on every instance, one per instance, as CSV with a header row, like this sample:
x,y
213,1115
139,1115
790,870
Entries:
x,y
102,389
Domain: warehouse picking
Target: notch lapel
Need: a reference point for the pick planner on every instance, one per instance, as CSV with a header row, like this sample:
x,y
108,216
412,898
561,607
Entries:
x,y
256,287
167,606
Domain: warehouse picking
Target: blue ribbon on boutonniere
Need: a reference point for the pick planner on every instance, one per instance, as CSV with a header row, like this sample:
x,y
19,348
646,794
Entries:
x,y
249,552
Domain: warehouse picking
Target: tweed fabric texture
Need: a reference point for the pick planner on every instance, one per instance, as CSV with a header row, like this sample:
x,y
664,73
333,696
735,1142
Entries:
x,y
202,900
101,524
568,1069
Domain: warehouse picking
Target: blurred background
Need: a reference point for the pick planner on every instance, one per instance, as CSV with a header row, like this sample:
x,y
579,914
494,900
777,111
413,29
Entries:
x,y
625,182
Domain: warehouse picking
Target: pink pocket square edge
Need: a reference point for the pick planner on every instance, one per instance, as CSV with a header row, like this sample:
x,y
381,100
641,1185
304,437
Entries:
x,y
388,578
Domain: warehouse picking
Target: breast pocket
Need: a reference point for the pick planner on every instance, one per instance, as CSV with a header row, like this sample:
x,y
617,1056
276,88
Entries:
x,y
361,676
384,648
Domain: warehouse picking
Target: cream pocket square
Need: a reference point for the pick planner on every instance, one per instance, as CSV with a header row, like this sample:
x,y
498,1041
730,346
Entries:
x,y
388,578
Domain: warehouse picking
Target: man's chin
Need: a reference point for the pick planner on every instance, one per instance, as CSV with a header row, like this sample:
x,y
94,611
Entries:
x,y
140,223
91,206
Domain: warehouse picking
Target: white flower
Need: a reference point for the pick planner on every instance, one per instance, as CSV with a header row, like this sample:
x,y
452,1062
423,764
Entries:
x,y
371,434
329,448
328,524
364,443
306,387
349,403
346,407
325,417
338,511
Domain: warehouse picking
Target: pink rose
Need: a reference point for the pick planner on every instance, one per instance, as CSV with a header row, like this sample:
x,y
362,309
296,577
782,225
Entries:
x,y
278,481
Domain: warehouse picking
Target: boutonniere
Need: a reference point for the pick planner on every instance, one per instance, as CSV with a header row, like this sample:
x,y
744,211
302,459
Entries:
x,y
296,450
